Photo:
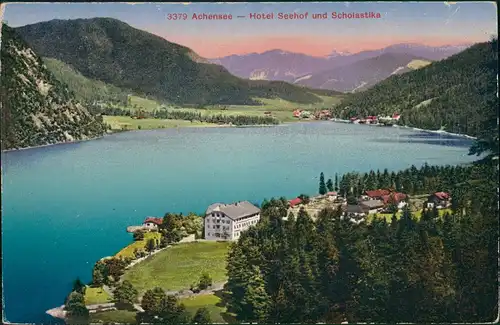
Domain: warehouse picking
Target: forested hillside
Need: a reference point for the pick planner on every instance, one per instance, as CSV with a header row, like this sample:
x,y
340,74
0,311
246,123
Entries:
x,y
113,52
431,269
458,94
37,109
86,90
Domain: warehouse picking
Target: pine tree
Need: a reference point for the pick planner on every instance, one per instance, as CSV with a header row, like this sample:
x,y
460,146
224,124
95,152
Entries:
x,y
329,185
256,301
336,182
322,186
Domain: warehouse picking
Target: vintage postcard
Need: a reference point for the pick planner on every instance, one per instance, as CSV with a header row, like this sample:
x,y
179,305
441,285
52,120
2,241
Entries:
x,y
196,163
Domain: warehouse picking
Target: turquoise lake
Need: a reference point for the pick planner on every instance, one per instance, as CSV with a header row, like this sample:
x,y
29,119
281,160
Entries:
x,y
66,206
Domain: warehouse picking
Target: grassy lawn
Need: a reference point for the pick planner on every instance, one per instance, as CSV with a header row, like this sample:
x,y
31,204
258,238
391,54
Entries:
x,y
214,305
96,296
177,267
416,214
129,250
124,122
148,105
114,316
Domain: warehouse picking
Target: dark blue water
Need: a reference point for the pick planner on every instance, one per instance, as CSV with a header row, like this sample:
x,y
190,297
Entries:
x,y
66,206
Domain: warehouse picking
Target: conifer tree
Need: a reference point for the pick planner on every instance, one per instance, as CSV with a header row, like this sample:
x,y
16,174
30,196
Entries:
x,y
322,186
329,185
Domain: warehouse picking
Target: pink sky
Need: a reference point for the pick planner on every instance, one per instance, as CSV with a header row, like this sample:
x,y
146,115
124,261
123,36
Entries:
x,y
317,46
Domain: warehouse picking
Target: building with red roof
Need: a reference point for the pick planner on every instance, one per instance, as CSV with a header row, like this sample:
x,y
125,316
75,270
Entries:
x,y
152,222
439,200
295,202
393,198
377,194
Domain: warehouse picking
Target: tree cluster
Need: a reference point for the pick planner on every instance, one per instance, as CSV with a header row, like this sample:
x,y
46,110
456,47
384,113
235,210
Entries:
x,y
108,271
330,270
160,308
412,181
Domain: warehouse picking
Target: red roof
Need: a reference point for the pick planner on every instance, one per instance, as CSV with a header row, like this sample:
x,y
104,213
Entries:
x,y
157,221
295,202
396,197
442,195
371,118
353,118
331,193
377,193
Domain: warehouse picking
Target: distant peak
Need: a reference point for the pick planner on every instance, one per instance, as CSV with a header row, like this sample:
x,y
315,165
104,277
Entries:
x,y
335,54
277,51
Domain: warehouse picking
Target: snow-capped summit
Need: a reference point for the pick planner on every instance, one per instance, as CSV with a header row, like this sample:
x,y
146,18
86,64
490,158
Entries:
x,y
335,54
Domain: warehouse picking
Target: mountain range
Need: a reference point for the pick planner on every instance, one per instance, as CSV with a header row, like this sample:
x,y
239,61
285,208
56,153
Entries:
x,y
362,74
36,108
115,53
289,66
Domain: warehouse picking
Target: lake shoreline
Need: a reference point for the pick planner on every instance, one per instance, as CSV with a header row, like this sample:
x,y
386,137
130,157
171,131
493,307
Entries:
x,y
415,129
212,125
240,126
53,144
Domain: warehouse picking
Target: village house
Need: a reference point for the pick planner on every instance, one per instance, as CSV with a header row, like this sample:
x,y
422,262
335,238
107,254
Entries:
x,y
305,114
354,213
354,210
295,202
439,200
323,114
152,223
372,206
395,198
332,196
228,221
376,194
296,113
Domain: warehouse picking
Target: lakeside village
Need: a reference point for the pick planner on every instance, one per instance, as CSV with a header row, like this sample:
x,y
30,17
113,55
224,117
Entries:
x,y
228,221
183,245
326,115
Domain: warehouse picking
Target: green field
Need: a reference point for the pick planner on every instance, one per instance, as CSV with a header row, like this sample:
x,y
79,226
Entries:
x,y
148,105
279,108
114,316
119,123
96,296
214,305
177,267
416,214
140,244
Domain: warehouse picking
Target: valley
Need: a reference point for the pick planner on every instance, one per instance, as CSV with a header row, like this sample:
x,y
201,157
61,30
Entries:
x,y
193,163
